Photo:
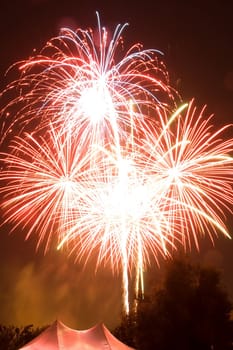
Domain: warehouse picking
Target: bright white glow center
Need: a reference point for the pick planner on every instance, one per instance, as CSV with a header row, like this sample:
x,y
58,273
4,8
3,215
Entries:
x,y
96,103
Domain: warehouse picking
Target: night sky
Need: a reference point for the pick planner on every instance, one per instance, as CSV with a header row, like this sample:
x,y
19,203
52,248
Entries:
x,y
196,40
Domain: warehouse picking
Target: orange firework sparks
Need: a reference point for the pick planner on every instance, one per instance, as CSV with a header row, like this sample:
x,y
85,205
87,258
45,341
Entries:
x,y
78,84
116,173
195,165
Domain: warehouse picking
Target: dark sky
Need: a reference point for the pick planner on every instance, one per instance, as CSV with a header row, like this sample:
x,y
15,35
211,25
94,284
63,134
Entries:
x,y
196,40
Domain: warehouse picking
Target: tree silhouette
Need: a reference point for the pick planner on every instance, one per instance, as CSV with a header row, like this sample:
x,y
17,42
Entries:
x,y
13,338
190,311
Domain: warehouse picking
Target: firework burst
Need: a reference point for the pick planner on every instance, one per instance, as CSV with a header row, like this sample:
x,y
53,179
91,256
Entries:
x,y
116,174
44,175
194,164
77,83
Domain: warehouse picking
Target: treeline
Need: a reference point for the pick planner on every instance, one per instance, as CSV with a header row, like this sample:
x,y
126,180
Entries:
x,y
190,311
13,338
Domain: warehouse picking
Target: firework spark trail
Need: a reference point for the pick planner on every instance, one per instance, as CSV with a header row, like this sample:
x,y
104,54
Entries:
x,y
43,175
121,217
115,174
196,167
72,70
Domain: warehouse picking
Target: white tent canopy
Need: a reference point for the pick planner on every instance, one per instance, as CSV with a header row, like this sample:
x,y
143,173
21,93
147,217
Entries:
x,y
59,336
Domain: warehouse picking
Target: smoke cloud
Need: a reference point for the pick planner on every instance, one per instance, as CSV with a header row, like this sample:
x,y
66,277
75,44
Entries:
x,y
37,289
